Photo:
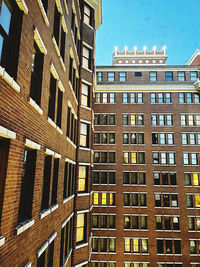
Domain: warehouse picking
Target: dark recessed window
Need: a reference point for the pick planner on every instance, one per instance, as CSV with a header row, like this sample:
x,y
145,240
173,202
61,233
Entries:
x,y
138,74
10,33
168,76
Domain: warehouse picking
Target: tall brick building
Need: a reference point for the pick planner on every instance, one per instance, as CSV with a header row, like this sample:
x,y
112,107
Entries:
x,y
146,178
47,78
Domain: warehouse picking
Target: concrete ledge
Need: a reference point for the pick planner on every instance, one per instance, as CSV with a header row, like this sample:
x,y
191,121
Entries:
x,y
20,228
2,240
9,79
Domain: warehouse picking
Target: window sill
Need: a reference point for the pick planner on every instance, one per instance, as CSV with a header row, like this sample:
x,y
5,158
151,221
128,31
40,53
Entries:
x,y
35,106
69,140
9,79
56,46
87,69
83,194
46,212
70,85
52,123
20,228
43,12
62,63
84,148
54,207
81,245
59,130
65,200
2,240
28,264
88,108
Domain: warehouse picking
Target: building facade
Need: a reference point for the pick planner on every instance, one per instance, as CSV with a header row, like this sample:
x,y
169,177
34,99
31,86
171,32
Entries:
x,y
47,78
146,177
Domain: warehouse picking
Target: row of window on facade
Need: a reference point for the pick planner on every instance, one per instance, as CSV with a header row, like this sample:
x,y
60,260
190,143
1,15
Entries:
x,y
50,180
163,178
153,76
137,222
140,264
139,199
132,157
138,98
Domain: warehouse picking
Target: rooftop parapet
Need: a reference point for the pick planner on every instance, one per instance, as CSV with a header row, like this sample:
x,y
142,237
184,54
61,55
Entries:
x,y
136,57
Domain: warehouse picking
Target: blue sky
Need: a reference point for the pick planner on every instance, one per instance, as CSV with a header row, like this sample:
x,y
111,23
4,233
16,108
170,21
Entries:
x,y
173,23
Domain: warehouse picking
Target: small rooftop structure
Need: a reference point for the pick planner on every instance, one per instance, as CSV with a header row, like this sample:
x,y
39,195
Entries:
x,y
135,57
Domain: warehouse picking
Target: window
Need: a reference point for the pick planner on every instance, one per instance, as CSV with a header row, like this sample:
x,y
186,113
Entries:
x,y
10,33
194,246
81,228
181,76
99,76
88,15
104,119
160,98
86,58
111,119
140,119
169,246
127,245
140,98
36,74
112,244
111,157
52,102
138,74
27,185
66,241
82,180
153,76
125,119
122,76
59,33
105,98
191,179
111,76
55,182
96,119
183,120
193,76
46,182
125,98
84,135
155,158
69,175
196,98
95,244
104,138
168,98
132,97
165,178
169,121
153,119
153,98
111,138
193,223
181,98
97,98
96,138
96,157
4,151
168,76
112,98
85,97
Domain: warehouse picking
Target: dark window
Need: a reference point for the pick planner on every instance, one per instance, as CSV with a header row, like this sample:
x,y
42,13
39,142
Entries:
x,y
52,98
111,119
56,25
46,182
160,246
10,33
168,76
111,177
111,157
36,74
95,221
4,151
96,119
55,182
59,108
27,185
45,4
111,221
103,221
41,260
50,254
138,74
66,241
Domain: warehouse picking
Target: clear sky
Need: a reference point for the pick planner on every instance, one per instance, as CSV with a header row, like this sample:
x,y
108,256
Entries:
x,y
173,23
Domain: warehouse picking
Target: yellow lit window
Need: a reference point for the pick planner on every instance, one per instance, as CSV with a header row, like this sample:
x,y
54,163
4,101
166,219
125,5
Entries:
x,y
133,157
195,179
197,201
125,157
80,227
133,119
83,135
103,199
112,199
127,245
135,245
96,198
82,177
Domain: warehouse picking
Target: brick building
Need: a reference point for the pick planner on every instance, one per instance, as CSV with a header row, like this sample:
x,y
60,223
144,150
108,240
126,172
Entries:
x,y
47,77
146,178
